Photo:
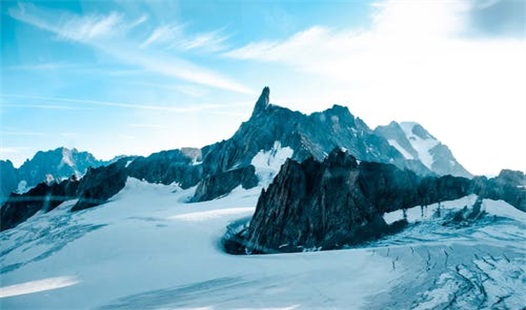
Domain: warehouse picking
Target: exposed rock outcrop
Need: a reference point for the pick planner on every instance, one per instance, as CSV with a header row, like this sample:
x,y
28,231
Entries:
x,y
509,186
43,197
221,184
325,205
99,184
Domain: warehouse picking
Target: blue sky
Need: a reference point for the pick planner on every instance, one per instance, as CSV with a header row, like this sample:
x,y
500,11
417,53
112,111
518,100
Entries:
x,y
135,77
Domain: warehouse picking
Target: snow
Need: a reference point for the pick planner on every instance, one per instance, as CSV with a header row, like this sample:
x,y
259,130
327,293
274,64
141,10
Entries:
x,y
421,146
268,163
66,157
400,149
146,248
492,207
149,249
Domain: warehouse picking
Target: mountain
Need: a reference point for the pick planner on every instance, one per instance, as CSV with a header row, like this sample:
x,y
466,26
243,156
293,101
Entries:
x,y
414,142
313,135
58,164
466,253
250,158
8,179
326,205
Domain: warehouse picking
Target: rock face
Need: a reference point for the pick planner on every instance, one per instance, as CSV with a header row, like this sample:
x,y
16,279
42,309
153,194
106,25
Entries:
x,y
100,184
509,186
166,167
45,197
221,184
338,201
8,179
313,135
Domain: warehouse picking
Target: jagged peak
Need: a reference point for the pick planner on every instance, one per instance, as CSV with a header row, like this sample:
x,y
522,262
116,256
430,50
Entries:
x,y
263,101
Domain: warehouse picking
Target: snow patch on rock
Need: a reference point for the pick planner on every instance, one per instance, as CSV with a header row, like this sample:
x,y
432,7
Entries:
x,y
268,163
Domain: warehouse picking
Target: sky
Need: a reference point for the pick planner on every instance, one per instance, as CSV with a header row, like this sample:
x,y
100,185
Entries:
x,y
136,77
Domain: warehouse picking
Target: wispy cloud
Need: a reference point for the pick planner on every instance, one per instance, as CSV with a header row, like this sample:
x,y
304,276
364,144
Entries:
x,y
21,133
41,106
187,89
46,66
90,27
163,34
146,126
213,41
86,102
109,34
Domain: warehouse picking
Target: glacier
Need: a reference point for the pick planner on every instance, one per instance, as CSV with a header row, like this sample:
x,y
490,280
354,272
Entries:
x,y
147,248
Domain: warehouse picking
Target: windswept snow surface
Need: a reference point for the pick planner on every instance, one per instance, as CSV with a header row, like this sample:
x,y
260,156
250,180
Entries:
x,y
148,249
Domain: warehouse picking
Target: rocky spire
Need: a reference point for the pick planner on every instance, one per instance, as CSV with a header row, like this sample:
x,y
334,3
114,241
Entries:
x,y
262,102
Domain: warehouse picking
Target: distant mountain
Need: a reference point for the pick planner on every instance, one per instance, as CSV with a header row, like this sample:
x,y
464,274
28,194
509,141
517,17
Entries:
x,y
415,143
57,164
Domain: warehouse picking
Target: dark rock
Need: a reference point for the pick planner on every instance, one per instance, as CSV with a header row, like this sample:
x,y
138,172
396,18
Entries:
x,y
100,184
221,184
167,167
8,179
337,202
509,186
45,197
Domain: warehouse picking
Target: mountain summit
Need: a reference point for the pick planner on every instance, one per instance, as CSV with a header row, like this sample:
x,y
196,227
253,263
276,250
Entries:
x,y
263,102
414,142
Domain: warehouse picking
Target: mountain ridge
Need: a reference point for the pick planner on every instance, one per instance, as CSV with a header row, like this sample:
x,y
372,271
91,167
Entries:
x,y
216,169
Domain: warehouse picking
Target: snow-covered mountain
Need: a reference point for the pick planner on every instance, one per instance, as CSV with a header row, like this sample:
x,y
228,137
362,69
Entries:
x,y
125,235
57,164
250,158
414,142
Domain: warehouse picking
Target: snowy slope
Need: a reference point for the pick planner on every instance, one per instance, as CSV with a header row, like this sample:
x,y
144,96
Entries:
x,y
148,249
268,163
422,144
416,143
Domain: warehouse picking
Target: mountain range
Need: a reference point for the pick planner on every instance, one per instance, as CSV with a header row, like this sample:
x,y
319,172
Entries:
x,y
241,160
306,135
415,228
58,164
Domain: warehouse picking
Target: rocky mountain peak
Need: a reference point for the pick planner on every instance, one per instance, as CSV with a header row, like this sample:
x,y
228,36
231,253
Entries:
x,y
263,101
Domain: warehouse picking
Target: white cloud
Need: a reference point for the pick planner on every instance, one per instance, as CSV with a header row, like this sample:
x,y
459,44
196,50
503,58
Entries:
x,y
76,103
90,27
211,41
163,34
416,63
108,34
